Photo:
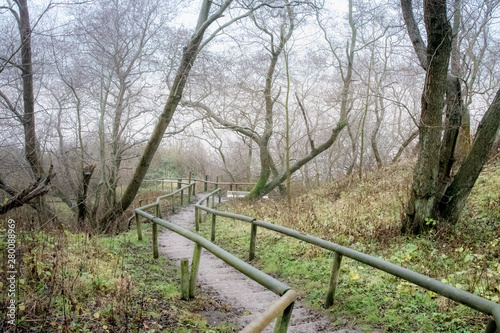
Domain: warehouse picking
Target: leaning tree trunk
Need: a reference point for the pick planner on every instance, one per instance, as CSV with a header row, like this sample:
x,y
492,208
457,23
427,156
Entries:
x,y
456,194
188,57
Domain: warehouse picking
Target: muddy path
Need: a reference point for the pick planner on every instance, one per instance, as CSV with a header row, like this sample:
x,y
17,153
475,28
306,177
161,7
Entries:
x,y
247,299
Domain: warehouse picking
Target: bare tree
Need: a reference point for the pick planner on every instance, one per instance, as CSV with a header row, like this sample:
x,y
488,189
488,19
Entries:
x,y
20,60
191,50
118,36
276,39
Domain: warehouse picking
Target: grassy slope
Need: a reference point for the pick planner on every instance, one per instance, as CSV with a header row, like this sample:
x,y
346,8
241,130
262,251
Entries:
x,y
70,283
365,216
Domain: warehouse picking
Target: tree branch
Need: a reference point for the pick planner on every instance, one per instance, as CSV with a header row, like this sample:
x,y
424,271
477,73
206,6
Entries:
x,y
414,32
301,162
243,130
404,145
311,141
38,188
11,106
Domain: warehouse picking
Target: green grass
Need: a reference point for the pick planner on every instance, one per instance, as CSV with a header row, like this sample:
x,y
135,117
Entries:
x,y
365,216
70,283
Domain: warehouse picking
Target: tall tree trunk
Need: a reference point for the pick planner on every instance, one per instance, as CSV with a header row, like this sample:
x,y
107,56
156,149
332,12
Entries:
x,y
424,198
463,140
32,147
354,149
31,144
452,126
266,162
376,128
249,161
365,114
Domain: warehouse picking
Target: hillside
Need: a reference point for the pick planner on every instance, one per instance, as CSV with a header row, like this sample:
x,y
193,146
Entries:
x,y
73,283
76,283
365,215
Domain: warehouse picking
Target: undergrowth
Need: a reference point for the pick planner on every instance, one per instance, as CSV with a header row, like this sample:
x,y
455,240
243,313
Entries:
x,y
365,215
72,283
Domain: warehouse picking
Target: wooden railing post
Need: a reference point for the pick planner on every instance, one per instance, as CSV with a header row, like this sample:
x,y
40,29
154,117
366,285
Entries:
x,y
159,215
216,183
282,321
197,213
231,187
185,279
155,233
491,327
195,265
253,238
212,238
337,259
206,184
194,189
179,185
173,203
182,197
189,188
163,185
138,226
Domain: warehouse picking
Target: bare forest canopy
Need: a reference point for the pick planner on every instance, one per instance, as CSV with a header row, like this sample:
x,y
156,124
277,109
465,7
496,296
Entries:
x,y
106,94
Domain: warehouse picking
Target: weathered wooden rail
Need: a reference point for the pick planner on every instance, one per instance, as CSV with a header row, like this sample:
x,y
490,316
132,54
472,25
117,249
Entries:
x,y
281,310
468,299
231,186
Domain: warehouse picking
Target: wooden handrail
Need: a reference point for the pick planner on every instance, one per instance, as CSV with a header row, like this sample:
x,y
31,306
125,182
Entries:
x,y
281,309
473,301
470,300
275,310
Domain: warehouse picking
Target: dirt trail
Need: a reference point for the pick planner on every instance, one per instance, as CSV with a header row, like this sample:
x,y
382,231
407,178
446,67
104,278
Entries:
x,y
226,284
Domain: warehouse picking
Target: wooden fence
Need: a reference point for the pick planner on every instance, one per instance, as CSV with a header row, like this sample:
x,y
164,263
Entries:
x,y
208,204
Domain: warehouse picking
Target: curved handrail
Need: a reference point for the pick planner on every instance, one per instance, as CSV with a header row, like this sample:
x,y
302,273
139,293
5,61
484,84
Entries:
x,y
191,187
281,309
473,301
276,286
